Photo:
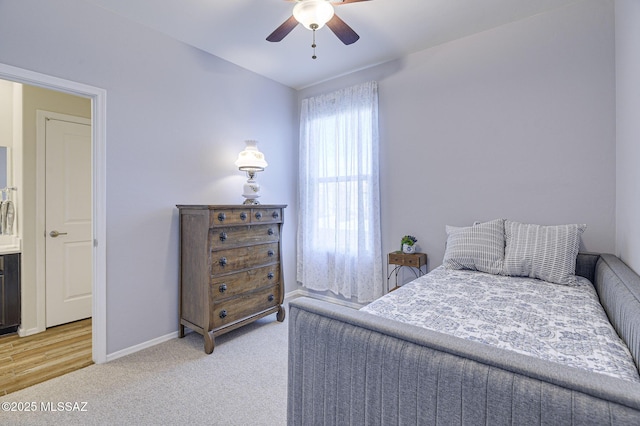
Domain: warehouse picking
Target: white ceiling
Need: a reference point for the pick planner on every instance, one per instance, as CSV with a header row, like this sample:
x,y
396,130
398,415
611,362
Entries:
x,y
235,30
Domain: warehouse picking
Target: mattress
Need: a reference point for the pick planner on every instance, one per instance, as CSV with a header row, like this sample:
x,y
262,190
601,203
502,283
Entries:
x,y
558,323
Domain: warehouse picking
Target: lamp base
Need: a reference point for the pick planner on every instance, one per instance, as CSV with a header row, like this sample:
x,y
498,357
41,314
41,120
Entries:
x,y
251,189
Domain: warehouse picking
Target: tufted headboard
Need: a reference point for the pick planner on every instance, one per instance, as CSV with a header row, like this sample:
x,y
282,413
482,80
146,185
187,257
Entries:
x,y
586,265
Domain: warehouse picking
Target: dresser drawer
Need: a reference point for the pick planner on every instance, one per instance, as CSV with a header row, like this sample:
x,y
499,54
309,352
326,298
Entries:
x,y
230,260
415,260
266,215
225,217
242,282
235,309
243,235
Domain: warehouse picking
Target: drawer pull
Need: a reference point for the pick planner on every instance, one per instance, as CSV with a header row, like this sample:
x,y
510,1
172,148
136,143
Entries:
x,y
271,297
243,216
270,275
270,253
223,313
275,215
222,288
223,261
222,217
270,231
258,215
223,236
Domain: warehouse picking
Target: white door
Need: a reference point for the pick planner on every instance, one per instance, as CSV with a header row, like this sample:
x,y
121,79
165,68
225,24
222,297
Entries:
x,y
68,222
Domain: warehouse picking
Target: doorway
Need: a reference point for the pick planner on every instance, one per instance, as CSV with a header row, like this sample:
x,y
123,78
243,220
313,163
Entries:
x,y
98,205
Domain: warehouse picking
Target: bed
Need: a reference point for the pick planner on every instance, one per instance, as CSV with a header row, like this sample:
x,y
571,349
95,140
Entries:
x,y
356,367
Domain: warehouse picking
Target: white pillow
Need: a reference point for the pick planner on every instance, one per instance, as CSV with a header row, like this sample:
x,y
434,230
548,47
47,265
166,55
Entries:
x,y
479,247
544,252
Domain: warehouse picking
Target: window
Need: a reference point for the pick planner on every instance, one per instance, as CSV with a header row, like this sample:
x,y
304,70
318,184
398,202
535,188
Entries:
x,y
339,216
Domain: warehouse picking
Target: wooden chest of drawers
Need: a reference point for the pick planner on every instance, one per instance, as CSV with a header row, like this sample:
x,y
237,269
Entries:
x,y
230,267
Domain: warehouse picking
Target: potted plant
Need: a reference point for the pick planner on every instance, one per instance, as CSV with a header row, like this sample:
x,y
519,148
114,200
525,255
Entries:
x,y
408,244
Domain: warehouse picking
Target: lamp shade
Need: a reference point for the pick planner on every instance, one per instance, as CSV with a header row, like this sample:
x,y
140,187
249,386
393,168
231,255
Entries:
x,y
313,12
251,159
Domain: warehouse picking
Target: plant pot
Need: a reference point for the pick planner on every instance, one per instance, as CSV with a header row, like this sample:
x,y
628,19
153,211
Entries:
x,y
406,248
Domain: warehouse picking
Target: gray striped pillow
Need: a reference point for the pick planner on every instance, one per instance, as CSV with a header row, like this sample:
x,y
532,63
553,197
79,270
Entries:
x,y
479,247
544,252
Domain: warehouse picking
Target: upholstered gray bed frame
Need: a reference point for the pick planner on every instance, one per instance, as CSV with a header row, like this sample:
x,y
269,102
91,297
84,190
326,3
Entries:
x,y
348,367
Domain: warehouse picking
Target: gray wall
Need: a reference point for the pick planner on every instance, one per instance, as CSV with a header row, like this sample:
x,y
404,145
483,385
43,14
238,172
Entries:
x,y
515,122
176,119
628,132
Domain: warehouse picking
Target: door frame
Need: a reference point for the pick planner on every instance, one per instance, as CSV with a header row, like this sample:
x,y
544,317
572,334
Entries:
x,y
98,98
41,239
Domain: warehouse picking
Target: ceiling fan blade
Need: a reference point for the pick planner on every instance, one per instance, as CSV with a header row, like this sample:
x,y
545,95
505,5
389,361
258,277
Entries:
x,y
339,2
284,29
342,30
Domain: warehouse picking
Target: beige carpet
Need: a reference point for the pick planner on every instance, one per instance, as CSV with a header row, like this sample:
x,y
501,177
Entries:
x,y
243,382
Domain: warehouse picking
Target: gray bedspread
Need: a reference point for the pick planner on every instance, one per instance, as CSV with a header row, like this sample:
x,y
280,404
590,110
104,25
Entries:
x,y
561,323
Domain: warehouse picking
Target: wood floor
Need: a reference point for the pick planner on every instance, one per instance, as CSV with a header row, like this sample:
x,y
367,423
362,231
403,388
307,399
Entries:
x,y
26,361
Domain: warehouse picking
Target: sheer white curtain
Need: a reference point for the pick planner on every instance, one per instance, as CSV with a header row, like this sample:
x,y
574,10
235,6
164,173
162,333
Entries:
x,y
339,216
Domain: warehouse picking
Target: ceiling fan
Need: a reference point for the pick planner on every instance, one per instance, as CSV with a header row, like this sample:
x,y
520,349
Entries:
x,y
314,14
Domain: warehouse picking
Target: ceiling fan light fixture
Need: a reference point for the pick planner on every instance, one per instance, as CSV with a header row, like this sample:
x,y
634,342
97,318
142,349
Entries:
x,y
313,14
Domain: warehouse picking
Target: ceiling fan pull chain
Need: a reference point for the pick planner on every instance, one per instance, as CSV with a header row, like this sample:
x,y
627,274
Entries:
x,y
314,27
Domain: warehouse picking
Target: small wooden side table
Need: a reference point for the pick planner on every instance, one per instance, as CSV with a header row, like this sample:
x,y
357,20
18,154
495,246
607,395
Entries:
x,y
415,261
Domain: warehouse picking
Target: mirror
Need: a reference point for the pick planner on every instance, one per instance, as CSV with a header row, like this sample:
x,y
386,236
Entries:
x,y
3,167
7,206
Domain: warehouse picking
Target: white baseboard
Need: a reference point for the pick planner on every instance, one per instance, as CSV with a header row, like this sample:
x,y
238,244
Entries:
x,y
110,357
291,295
141,346
28,332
